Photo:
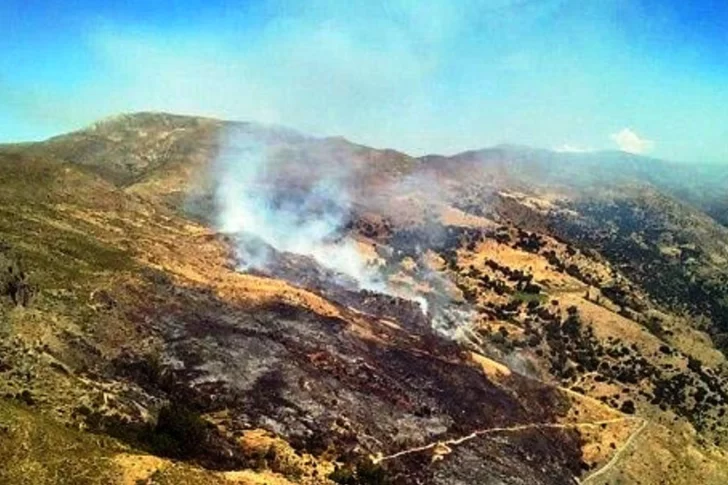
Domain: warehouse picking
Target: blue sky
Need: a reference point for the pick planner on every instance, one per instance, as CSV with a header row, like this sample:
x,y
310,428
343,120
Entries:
x,y
647,76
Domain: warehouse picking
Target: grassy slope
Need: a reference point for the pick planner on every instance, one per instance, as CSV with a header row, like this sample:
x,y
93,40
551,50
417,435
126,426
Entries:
x,y
71,233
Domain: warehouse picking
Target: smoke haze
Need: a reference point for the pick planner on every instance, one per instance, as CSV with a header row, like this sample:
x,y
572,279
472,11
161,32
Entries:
x,y
265,212
431,76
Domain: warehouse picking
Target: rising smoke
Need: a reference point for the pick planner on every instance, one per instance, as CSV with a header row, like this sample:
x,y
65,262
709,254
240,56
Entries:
x,y
279,192
273,201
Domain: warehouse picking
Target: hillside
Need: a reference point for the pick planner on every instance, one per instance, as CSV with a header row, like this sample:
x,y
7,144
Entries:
x,y
574,331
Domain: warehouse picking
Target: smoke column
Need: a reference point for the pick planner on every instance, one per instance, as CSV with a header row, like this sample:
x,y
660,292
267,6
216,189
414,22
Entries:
x,y
263,214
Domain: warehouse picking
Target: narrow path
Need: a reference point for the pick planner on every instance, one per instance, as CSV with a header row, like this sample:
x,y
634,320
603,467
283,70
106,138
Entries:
x,y
522,427
617,455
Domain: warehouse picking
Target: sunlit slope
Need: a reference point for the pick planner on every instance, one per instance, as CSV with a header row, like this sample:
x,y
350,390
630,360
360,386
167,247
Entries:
x,y
133,311
125,315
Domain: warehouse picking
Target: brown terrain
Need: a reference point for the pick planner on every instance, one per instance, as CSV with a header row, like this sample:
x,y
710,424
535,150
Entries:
x,y
576,323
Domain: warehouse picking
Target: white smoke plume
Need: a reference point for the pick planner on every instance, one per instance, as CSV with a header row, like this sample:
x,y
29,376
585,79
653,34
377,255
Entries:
x,y
265,213
629,141
277,191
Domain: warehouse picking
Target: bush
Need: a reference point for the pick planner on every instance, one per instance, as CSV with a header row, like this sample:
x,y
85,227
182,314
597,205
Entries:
x,y
365,472
654,326
179,432
628,407
14,282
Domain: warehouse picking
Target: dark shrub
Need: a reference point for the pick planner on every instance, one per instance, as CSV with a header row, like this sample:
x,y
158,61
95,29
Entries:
x,y
627,407
179,432
364,472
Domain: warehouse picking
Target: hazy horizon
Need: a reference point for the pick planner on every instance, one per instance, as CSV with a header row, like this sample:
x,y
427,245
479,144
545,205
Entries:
x,y
500,145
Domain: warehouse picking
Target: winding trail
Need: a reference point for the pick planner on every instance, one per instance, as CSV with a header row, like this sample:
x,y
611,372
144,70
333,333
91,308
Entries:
x,y
458,441
617,455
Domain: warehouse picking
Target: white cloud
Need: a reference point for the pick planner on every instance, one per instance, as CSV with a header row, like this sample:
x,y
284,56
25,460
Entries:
x,y
630,142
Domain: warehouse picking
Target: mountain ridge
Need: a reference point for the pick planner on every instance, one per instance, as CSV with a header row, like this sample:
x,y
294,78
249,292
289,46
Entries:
x,y
682,180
